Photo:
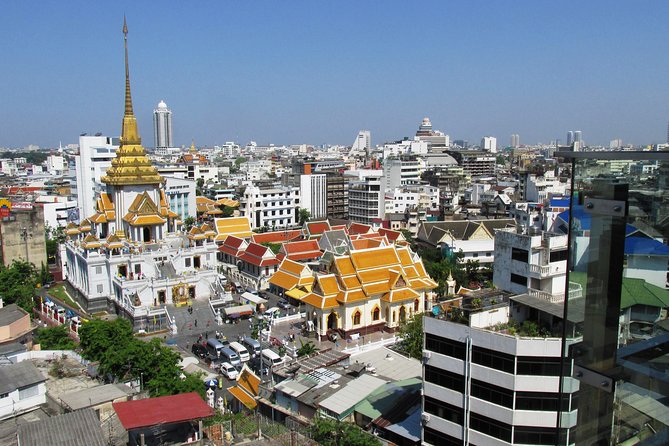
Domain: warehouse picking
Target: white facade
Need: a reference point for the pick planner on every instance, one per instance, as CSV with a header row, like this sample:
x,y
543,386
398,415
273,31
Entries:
x,y
181,194
489,143
532,264
313,190
256,170
365,195
400,172
162,126
406,147
540,188
362,144
22,400
58,210
56,165
95,155
482,387
273,208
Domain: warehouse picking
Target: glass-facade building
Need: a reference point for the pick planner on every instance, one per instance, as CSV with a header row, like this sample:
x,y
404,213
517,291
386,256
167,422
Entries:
x,y
619,260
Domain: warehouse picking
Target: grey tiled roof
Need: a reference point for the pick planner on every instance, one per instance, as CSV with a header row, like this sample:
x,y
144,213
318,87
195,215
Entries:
x,y
17,376
81,427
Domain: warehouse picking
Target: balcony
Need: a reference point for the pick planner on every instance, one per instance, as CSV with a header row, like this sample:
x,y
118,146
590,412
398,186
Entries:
x,y
545,271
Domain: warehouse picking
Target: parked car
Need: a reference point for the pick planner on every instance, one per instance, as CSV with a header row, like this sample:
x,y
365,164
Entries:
x,y
199,350
229,371
283,304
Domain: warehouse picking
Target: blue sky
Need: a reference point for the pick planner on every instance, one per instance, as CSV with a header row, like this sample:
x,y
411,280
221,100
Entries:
x,y
317,72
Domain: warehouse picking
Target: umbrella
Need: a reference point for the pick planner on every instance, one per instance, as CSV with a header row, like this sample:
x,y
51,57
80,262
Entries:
x,y
211,382
171,342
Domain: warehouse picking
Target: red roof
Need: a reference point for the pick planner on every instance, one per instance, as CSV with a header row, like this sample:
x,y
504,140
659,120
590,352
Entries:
x,y
231,245
303,250
390,234
359,228
254,255
162,410
317,227
277,236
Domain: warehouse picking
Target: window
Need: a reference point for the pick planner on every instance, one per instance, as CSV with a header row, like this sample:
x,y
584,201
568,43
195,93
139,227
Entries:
x,y
443,410
558,256
187,262
100,288
493,359
520,280
490,427
432,436
4,395
98,270
529,365
444,378
416,305
520,255
476,254
28,392
492,393
543,401
376,314
535,435
356,317
444,346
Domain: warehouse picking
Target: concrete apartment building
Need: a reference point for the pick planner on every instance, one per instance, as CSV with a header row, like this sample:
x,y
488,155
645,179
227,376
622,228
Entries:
x,y
366,195
274,207
22,235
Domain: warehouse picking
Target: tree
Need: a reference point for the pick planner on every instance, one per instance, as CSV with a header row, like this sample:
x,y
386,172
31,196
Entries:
x,y
472,272
228,211
303,216
198,186
188,223
54,237
412,336
329,432
17,284
98,336
275,247
306,349
54,338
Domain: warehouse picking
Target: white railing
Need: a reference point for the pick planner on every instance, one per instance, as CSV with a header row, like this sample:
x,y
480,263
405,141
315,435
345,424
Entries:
x,y
371,345
288,318
548,270
550,297
49,355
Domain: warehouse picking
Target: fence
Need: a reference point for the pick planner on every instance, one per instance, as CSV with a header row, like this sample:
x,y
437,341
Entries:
x,y
288,318
49,355
371,345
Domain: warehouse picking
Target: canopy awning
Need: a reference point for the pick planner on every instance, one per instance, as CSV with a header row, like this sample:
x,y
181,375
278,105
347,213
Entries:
x,y
254,298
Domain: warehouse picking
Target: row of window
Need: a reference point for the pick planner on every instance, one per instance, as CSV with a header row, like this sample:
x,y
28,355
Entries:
x,y
522,365
521,434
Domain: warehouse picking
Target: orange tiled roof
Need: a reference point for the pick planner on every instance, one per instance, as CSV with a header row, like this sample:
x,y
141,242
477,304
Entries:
x,y
248,381
351,296
320,302
237,226
284,280
374,258
351,282
244,398
400,295
328,284
144,220
373,275
277,236
344,266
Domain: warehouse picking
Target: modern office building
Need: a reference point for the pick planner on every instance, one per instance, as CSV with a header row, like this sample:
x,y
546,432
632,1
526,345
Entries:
x,y
570,137
399,172
489,144
95,157
623,379
162,126
365,195
515,140
475,163
362,144
313,190
271,207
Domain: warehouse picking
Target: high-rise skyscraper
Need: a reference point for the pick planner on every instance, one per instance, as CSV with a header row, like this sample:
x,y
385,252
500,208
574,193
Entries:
x,y
570,137
667,133
489,143
162,126
515,140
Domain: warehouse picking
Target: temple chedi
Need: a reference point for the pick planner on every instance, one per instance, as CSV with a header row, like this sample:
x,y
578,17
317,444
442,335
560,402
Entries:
x,y
131,257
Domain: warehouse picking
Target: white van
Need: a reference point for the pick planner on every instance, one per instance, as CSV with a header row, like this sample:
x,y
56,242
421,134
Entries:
x,y
269,358
229,371
241,351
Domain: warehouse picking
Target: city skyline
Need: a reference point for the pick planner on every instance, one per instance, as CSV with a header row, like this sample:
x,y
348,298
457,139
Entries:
x,y
314,73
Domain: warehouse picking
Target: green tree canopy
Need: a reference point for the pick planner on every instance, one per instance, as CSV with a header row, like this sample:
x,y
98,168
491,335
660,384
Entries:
x,y
412,336
121,356
17,284
54,338
329,432
303,216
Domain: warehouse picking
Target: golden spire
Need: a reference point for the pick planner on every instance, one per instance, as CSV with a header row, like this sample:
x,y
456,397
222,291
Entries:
x,y
131,165
192,146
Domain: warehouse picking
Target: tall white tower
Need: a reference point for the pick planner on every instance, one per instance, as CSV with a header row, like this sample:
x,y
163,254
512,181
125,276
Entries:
x,y
162,126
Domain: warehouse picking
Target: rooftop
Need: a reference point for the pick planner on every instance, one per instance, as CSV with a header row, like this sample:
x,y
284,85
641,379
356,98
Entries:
x,y
81,427
17,376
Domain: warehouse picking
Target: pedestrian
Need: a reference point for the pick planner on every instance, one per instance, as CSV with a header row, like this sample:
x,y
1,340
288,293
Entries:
x,y
196,322
199,339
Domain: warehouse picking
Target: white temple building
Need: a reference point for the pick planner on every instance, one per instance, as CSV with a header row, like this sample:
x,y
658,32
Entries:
x,y
130,257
